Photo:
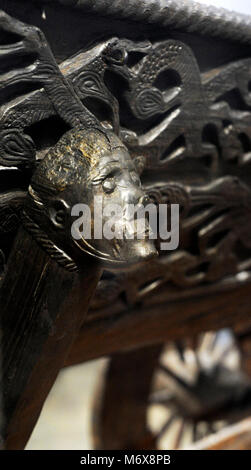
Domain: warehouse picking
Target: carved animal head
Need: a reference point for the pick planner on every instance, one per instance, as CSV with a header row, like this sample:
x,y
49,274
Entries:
x,y
86,163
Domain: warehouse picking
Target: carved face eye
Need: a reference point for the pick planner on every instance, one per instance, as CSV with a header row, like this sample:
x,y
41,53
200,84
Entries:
x,y
89,82
109,185
135,178
58,212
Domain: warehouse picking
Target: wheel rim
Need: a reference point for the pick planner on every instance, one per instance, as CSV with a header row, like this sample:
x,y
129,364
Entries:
x,y
197,389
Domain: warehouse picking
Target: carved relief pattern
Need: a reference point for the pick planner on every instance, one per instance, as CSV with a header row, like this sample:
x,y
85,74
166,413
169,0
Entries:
x,y
192,130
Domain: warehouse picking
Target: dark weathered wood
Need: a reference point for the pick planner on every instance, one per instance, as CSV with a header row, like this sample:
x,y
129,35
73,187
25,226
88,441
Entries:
x,y
181,100
42,309
128,376
158,323
244,341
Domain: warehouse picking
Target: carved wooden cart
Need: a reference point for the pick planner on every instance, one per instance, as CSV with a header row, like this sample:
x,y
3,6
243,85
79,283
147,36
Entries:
x,y
171,82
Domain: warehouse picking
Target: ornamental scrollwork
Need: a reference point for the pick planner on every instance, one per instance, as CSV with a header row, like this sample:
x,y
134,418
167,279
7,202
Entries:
x,y
187,129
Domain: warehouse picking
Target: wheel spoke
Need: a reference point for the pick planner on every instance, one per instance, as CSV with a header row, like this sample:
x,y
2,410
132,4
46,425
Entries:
x,y
166,426
225,352
211,428
194,432
174,376
208,341
180,433
180,350
160,397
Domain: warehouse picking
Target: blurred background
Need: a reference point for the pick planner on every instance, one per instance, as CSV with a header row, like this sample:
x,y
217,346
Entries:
x,y
66,421
243,6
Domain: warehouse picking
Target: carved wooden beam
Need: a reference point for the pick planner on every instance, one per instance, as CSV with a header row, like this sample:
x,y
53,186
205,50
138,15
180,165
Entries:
x,y
155,324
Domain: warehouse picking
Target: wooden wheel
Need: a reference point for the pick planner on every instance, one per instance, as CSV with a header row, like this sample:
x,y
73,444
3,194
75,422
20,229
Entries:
x,y
171,395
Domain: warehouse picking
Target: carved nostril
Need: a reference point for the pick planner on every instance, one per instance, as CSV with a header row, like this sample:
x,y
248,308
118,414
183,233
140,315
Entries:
x,y
144,200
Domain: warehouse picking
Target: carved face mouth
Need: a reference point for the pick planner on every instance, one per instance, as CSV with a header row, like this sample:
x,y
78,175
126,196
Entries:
x,y
121,255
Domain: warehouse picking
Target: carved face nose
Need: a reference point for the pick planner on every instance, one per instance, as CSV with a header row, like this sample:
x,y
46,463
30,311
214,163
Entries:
x,y
144,200
131,194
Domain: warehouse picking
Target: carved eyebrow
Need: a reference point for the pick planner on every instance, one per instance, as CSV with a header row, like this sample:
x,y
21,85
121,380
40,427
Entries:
x,y
111,167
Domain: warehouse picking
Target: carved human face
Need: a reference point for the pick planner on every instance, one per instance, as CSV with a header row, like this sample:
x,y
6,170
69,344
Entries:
x,y
115,179
86,165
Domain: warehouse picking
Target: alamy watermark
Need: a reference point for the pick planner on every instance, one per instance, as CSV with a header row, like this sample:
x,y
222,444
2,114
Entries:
x,y
131,221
